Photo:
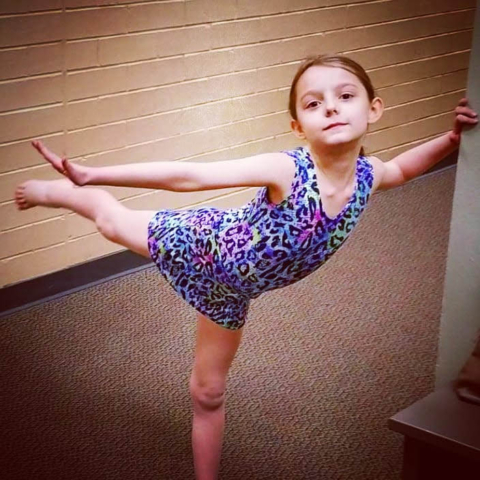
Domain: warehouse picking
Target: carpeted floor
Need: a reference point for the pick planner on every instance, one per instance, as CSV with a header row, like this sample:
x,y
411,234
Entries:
x,y
95,384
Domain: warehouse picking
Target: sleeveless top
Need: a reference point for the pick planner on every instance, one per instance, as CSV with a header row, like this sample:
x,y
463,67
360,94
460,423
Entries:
x,y
264,246
218,260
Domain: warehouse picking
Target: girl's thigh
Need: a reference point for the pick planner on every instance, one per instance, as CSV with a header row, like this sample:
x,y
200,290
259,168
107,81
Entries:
x,y
130,229
215,350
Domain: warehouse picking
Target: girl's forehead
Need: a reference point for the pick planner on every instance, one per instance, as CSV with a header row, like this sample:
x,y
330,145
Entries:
x,y
322,77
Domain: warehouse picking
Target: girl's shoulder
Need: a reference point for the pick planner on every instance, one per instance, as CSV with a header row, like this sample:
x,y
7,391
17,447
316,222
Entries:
x,y
284,176
379,173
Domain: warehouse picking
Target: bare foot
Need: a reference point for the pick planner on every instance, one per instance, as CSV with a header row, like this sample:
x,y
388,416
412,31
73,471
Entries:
x,y
78,174
35,192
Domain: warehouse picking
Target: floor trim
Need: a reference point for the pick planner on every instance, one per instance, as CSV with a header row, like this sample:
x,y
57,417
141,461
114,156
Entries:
x,y
54,285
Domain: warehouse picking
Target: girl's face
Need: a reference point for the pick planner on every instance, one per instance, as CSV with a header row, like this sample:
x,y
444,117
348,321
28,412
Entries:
x,y
331,95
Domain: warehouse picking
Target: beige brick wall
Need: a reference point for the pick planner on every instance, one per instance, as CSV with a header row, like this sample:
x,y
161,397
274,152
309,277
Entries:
x,y
119,81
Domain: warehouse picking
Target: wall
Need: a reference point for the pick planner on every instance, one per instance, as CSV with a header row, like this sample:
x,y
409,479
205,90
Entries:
x,y
109,82
460,321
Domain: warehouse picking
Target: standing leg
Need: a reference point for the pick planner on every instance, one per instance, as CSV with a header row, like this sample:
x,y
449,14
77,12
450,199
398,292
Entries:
x,y
215,350
114,221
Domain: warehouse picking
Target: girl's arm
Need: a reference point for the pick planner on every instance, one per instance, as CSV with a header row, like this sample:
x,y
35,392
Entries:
x,y
414,162
258,170
163,175
172,176
417,160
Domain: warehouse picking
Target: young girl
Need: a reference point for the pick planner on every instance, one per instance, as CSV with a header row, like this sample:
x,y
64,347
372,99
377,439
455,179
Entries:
x,y
217,260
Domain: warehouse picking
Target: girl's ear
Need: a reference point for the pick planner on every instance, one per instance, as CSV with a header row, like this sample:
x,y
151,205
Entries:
x,y
376,110
297,128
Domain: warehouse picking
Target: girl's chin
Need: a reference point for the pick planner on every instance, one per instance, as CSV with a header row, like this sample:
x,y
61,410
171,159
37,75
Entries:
x,y
336,141
334,144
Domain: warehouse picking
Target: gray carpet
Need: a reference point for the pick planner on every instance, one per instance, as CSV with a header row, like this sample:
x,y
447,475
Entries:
x,y
95,384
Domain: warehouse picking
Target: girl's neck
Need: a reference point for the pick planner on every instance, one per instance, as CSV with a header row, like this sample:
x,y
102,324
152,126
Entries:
x,y
338,168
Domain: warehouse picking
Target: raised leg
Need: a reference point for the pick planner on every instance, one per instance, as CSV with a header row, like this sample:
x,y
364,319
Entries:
x,y
215,350
114,221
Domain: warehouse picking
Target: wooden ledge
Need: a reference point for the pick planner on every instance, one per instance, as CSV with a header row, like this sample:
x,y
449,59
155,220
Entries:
x,y
442,420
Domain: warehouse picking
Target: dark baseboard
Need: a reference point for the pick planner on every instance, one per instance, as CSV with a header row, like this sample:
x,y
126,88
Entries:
x,y
31,292
47,287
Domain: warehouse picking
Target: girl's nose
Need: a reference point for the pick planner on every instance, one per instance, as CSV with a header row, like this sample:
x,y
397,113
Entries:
x,y
330,105
330,108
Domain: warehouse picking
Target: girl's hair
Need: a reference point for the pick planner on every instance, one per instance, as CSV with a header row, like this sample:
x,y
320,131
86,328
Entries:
x,y
330,60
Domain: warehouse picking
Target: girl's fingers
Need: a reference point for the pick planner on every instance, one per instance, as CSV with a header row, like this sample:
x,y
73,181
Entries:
x,y
48,155
466,111
42,149
466,119
38,145
64,165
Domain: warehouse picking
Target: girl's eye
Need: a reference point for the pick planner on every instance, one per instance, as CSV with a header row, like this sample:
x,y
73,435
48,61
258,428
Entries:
x,y
312,104
349,95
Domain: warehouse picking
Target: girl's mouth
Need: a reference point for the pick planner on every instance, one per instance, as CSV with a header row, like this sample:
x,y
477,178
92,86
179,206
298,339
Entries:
x,y
333,125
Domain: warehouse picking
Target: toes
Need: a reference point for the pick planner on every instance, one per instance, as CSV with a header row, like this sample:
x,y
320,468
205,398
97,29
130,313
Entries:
x,y
21,202
20,188
20,199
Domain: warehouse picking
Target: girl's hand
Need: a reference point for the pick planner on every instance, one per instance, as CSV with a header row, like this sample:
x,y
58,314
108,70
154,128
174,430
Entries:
x,y
464,116
78,174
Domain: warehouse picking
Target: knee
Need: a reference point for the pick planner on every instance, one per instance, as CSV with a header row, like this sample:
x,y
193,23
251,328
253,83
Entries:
x,y
106,225
207,396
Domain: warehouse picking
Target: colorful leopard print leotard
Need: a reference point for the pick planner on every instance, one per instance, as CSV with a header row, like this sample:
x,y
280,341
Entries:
x,y
218,260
